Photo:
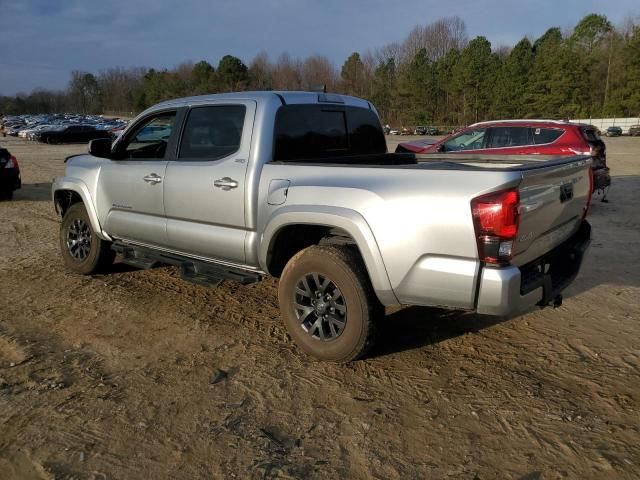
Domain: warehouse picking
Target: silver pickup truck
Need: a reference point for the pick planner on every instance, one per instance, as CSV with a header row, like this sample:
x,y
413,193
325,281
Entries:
x,y
300,186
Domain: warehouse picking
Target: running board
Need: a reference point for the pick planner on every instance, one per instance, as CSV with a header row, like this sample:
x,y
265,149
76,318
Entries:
x,y
202,273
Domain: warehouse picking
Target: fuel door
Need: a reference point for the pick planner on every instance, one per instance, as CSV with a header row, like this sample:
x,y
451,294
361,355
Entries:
x,y
278,190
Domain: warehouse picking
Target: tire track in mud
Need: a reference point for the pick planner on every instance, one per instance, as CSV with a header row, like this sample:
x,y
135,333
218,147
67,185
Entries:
x,y
447,395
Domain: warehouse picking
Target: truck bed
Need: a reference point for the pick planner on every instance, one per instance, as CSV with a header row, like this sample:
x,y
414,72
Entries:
x,y
443,161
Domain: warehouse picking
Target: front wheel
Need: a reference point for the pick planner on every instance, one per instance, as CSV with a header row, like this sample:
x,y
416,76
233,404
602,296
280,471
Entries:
x,y
328,304
82,250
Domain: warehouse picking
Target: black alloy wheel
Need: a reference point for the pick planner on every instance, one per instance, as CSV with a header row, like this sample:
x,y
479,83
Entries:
x,y
320,307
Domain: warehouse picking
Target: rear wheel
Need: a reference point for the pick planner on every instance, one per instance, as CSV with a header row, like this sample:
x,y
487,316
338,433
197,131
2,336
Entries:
x,y
82,250
328,304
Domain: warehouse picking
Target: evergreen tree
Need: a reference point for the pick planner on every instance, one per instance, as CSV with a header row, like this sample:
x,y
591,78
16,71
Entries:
x,y
204,78
232,74
384,80
558,89
626,100
417,90
449,89
477,71
352,74
511,94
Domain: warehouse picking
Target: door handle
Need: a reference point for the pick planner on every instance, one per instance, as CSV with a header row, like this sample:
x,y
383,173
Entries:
x,y
226,183
152,178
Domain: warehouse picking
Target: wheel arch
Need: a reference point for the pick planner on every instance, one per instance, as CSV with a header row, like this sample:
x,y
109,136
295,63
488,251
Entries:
x,y
67,192
290,229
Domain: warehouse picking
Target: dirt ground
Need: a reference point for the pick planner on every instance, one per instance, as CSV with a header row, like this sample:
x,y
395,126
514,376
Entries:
x,y
137,374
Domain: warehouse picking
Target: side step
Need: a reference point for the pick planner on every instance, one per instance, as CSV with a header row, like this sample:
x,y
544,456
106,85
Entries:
x,y
202,273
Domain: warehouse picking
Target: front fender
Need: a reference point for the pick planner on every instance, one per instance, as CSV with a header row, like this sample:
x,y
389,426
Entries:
x,y
78,186
346,219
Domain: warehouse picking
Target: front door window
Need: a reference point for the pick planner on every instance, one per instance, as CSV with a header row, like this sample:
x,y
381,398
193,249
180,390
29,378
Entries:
x,y
149,139
467,140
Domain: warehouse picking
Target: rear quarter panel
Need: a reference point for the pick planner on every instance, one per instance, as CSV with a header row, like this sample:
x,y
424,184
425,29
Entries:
x,y
420,219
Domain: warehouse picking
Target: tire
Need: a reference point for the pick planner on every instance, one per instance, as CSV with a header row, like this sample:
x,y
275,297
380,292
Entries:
x,y
347,333
89,254
6,195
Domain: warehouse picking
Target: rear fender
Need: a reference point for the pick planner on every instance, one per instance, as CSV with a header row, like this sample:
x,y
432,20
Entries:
x,y
348,220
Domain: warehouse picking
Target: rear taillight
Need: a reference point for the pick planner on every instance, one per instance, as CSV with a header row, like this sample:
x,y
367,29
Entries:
x,y
589,196
495,218
12,162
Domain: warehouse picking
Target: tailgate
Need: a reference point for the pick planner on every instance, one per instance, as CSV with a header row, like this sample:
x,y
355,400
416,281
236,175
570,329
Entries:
x,y
552,204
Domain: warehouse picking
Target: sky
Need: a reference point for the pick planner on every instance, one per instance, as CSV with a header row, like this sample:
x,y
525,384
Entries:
x,y
44,40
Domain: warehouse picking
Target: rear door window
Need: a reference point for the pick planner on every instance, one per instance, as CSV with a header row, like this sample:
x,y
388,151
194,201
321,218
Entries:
x,y
503,137
212,132
542,136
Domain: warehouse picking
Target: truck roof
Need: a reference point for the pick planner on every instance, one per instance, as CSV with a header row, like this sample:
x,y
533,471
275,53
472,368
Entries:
x,y
284,97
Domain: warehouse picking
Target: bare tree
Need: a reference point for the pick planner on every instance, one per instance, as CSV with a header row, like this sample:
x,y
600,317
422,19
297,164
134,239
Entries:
x,y
436,39
260,72
445,34
287,73
318,70
84,92
391,51
118,86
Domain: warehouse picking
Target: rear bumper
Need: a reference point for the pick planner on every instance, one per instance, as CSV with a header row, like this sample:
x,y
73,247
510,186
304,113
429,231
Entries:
x,y
509,290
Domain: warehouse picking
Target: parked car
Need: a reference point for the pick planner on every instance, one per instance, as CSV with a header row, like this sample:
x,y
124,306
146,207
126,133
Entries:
x,y
72,133
299,185
9,175
421,130
523,137
33,127
406,131
14,129
613,131
634,130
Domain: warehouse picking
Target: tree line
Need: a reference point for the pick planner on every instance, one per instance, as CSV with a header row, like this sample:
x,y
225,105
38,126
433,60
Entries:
x,y
436,76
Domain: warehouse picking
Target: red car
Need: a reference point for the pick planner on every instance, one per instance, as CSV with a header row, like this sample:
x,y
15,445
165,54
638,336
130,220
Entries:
x,y
524,137
9,175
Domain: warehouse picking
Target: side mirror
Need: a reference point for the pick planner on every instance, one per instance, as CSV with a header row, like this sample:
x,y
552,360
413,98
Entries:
x,y
100,147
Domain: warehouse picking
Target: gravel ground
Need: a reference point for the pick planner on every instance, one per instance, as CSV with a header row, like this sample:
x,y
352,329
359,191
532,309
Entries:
x,y
137,374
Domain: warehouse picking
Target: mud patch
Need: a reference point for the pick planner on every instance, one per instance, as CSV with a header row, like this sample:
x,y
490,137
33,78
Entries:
x,y
11,353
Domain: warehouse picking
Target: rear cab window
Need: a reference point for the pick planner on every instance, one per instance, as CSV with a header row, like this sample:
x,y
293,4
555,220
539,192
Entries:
x,y
322,131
